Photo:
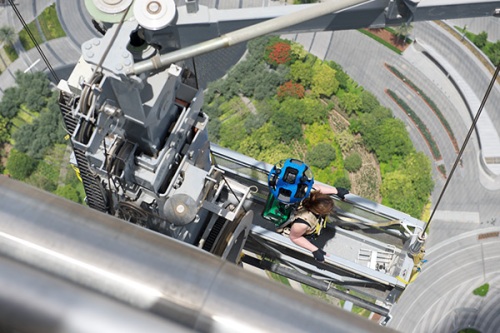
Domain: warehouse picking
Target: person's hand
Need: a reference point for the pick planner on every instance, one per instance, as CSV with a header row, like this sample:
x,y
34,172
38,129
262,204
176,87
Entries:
x,y
319,255
341,192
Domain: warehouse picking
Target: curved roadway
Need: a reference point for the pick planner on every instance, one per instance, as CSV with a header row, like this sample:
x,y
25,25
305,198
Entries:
x,y
442,299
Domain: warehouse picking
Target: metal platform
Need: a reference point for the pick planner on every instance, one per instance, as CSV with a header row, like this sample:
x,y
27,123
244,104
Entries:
x,y
368,244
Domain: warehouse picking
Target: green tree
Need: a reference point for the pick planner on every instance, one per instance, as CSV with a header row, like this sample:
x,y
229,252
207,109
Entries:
x,y
347,141
68,192
301,72
323,81
256,47
34,139
313,111
4,130
11,100
7,35
397,192
481,39
19,165
321,155
389,139
350,102
403,31
368,102
287,125
408,187
343,182
418,168
262,139
493,51
353,162
298,51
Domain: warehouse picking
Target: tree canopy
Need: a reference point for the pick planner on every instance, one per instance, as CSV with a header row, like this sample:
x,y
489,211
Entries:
x,y
323,81
34,139
321,155
292,117
19,165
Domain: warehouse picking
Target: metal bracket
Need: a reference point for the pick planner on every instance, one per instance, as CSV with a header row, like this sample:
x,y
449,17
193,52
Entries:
x,y
400,11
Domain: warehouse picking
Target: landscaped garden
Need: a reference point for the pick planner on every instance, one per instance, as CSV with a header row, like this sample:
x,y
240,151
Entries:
x,y
310,109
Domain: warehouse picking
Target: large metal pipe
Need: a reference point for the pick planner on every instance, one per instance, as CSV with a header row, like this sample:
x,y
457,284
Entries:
x,y
245,34
153,272
33,301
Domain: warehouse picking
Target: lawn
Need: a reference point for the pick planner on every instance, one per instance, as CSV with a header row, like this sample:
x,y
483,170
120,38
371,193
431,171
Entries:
x,y
49,23
11,52
25,38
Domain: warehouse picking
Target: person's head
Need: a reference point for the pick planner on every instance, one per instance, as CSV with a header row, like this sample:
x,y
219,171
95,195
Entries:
x,y
318,203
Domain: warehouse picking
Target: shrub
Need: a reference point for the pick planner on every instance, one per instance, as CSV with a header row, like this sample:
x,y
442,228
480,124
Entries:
x,y
353,162
68,192
290,89
279,53
20,165
321,155
343,182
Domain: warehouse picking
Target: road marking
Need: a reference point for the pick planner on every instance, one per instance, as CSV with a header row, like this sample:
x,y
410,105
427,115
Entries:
x,y
456,216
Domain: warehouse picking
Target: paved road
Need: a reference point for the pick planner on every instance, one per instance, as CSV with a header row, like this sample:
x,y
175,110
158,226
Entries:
x,y
76,21
480,24
62,53
442,299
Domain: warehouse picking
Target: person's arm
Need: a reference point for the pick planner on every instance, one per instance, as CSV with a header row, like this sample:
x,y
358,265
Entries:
x,y
339,191
325,189
297,232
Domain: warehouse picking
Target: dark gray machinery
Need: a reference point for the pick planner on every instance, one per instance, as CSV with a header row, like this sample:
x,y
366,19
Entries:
x,y
133,109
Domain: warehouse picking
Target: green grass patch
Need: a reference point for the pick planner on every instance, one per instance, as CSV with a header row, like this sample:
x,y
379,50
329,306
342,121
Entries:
x,y
11,52
234,106
442,170
418,122
360,311
25,38
380,40
469,330
49,23
18,122
25,116
482,291
429,102
279,278
321,295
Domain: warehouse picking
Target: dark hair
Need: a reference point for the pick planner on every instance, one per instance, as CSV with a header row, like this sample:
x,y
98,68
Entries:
x,y
318,203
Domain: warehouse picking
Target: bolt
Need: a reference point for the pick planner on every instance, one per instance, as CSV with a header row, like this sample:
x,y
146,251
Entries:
x,y
118,67
180,209
90,54
154,7
96,42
